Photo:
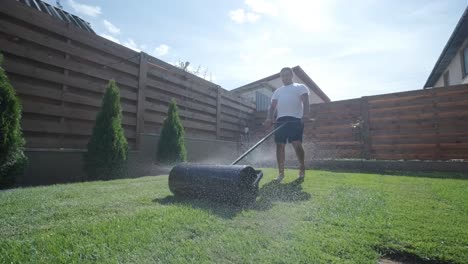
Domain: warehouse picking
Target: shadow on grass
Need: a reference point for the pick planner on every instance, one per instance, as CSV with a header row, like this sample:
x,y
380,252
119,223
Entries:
x,y
268,194
396,256
277,192
223,210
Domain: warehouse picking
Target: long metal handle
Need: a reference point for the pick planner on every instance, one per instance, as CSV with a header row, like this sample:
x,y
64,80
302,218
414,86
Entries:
x,y
258,143
259,177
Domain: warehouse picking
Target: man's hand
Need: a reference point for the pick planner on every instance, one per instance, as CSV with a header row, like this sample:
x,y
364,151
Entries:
x,y
267,123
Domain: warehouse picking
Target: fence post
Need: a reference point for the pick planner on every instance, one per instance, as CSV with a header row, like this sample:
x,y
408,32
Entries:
x,y
218,112
311,132
140,125
365,130
436,125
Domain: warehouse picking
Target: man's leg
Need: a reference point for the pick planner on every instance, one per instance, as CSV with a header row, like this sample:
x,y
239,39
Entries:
x,y
280,159
300,156
280,140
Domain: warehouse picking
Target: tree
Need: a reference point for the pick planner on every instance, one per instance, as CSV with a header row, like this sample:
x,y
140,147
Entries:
x,y
12,158
171,146
108,148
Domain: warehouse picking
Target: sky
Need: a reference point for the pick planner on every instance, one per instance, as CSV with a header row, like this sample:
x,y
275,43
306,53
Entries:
x,y
349,48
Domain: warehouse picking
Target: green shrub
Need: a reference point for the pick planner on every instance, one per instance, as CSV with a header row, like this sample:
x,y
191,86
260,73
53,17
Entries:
x,y
12,158
108,148
171,146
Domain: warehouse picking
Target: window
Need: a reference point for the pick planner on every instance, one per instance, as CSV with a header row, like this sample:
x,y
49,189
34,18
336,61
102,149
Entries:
x,y
446,79
262,101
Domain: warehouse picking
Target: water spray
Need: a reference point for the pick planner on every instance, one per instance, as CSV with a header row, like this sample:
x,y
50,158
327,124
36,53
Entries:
x,y
237,184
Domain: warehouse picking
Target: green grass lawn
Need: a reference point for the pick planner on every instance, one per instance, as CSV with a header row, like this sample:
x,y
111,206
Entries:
x,y
333,217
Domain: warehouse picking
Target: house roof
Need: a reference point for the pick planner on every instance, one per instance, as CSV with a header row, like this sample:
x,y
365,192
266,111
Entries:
x,y
58,13
460,33
254,86
299,73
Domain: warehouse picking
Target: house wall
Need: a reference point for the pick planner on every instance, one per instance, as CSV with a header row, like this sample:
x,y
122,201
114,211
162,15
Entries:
x,y
455,70
250,95
313,97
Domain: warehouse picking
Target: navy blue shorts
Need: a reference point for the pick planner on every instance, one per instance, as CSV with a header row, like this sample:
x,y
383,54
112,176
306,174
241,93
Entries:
x,y
292,131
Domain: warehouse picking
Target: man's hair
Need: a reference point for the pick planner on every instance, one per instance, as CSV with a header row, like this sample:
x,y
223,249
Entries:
x,y
287,69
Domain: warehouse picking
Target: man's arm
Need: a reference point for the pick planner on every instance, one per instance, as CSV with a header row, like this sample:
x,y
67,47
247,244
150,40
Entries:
x,y
305,104
271,111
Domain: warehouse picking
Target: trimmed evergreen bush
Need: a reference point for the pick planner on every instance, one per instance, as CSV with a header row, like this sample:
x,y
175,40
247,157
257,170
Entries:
x,y
171,146
12,158
108,148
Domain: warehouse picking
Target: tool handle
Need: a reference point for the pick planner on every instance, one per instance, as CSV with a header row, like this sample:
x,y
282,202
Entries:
x,y
258,143
259,177
265,138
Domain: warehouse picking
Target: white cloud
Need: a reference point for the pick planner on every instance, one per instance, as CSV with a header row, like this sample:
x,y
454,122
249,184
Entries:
x,y
237,15
92,11
131,44
252,17
111,27
309,15
161,50
263,7
241,16
109,37
306,15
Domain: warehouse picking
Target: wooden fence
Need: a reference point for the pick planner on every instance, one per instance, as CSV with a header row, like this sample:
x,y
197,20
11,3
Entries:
x,y
427,124
60,73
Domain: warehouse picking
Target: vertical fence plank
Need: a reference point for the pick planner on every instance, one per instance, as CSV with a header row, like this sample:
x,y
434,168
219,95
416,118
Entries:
x,y
365,129
436,125
64,91
141,98
218,113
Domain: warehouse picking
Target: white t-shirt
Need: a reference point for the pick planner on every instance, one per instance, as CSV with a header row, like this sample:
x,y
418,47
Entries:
x,y
289,100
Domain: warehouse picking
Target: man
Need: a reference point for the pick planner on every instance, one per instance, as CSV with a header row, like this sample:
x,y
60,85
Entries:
x,y
291,102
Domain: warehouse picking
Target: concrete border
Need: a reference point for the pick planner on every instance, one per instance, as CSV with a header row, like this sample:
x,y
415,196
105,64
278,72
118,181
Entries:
x,y
458,169
382,166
